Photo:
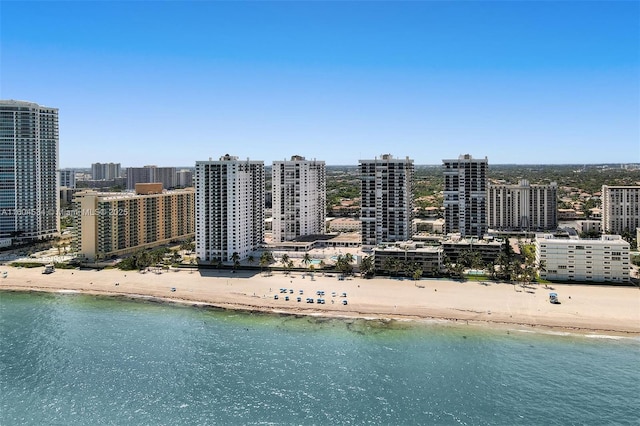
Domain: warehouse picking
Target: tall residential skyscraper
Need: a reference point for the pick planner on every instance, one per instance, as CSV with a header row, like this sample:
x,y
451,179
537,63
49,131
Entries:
x,y
105,171
465,195
620,209
386,208
299,198
151,174
67,178
29,200
523,207
184,178
229,208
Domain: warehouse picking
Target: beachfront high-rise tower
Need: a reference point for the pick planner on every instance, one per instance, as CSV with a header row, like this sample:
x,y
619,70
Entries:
x,y
620,209
29,200
299,198
523,207
386,207
229,208
465,195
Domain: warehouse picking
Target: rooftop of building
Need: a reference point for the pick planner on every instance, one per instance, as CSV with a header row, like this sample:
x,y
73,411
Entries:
x,y
458,239
111,196
603,239
18,103
406,246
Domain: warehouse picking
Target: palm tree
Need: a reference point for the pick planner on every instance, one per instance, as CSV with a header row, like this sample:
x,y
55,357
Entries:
x,y
542,267
367,266
235,258
142,259
306,259
348,257
476,260
458,270
284,259
251,259
343,265
448,266
265,258
409,268
389,265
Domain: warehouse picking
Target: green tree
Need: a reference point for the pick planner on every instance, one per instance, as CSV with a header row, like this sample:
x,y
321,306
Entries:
x,y
390,265
306,259
417,274
265,258
235,258
348,257
344,265
458,270
367,267
284,259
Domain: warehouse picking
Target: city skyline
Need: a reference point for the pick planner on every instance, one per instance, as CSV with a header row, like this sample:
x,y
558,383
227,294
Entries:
x,y
517,82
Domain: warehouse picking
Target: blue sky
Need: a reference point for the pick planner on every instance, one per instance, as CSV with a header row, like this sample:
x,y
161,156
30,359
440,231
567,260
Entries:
x,y
170,83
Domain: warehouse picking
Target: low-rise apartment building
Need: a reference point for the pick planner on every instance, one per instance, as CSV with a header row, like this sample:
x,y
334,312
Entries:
x,y
427,257
345,224
489,249
598,260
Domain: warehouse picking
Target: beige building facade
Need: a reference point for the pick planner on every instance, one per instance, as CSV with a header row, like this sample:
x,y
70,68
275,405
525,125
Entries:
x,y
523,207
115,224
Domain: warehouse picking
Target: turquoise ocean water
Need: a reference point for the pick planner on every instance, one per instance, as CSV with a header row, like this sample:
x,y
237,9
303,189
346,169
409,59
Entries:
x,y
84,360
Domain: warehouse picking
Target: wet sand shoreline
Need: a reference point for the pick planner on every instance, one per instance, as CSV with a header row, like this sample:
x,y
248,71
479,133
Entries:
x,y
585,308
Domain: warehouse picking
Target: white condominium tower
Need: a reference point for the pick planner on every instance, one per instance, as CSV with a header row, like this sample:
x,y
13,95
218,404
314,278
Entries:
x,y
386,208
620,209
299,198
229,208
29,200
523,207
465,196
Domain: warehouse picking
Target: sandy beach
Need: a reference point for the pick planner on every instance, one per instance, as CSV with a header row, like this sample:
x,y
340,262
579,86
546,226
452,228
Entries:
x,y
583,308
